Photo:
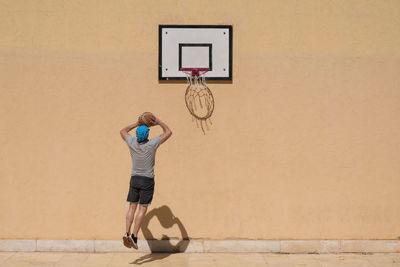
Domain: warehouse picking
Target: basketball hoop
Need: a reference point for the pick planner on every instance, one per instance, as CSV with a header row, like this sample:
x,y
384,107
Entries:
x,y
199,99
195,71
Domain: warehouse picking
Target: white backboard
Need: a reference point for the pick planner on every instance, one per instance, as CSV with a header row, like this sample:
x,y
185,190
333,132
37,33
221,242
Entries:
x,y
195,46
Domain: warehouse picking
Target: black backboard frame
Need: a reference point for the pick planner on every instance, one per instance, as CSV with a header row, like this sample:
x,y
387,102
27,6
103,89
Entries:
x,y
161,27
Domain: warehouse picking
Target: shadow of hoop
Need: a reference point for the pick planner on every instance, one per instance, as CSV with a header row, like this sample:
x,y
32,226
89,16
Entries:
x,y
161,249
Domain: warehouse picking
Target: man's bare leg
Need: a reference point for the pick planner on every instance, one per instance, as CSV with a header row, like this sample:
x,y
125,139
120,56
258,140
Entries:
x,y
129,216
139,218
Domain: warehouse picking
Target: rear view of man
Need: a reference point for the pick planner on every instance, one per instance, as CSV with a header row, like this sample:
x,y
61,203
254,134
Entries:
x,y
141,188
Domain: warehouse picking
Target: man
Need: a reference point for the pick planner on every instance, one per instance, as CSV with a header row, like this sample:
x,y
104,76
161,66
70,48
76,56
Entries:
x,y
141,188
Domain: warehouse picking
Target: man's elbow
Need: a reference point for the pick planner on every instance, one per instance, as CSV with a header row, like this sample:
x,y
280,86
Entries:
x,y
123,133
166,134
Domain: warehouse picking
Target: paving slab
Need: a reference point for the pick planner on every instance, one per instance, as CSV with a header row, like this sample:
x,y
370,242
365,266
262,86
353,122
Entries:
x,y
384,260
72,259
225,260
20,259
304,260
251,259
198,260
5,255
278,260
345,260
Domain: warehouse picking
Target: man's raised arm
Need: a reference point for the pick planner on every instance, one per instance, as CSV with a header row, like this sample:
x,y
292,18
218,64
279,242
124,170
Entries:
x,y
167,132
125,131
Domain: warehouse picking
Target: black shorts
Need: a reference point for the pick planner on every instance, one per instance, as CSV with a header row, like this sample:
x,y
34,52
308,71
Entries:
x,y
141,190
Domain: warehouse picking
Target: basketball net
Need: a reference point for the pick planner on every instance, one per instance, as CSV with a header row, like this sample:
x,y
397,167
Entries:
x,y
199,99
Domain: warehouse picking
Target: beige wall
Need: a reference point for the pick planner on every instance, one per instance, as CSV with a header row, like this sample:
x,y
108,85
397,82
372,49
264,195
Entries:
x,y
304,142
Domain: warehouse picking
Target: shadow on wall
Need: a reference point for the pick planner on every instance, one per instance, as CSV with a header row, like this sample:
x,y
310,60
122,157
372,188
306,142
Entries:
x,y
165,245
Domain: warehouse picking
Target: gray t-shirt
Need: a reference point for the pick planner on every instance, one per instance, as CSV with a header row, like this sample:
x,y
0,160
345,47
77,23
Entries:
x,y
143,155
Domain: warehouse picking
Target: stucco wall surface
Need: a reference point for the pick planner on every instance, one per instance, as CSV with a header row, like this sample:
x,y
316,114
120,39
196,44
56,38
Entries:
x,y
304,143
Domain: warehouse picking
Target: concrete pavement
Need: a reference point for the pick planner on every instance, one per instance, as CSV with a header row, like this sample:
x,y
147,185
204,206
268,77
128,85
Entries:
x,y
198,259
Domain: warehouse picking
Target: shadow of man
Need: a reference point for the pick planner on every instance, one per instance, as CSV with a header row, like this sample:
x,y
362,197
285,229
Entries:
x,y
167,220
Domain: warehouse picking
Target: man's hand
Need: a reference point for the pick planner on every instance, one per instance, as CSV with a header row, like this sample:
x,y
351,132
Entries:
x,y
156,121
152,120
139,121
149,118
